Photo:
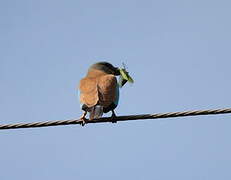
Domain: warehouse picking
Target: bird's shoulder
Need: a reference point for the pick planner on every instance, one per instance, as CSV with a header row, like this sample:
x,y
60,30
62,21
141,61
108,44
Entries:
x,y
107,81
87,84
88,91
107,89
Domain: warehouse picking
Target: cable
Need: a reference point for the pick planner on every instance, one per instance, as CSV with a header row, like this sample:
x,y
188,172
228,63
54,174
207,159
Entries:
x,y
118,118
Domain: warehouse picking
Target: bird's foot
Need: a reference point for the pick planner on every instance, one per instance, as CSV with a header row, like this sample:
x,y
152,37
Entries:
x,y
113,116
82,119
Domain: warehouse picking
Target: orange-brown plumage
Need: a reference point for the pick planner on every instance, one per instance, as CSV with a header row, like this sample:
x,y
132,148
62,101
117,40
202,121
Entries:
x,y
99,89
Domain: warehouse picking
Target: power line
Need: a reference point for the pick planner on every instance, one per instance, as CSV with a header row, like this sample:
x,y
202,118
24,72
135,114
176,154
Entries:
x,y
118,118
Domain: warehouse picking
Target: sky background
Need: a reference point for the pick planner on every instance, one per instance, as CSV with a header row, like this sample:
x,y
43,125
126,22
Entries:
x,y
178,53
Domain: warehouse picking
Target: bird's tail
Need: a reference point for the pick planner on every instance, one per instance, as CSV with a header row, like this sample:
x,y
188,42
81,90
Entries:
x,y
96,112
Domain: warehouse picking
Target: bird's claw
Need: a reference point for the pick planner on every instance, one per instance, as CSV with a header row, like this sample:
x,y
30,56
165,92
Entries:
x,y
83,120
114,121
113,116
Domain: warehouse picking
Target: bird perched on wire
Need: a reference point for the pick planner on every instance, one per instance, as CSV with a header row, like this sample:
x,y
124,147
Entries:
x,y
99,90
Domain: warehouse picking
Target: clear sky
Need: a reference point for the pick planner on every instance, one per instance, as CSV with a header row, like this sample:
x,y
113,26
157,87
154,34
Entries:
x,y
179,55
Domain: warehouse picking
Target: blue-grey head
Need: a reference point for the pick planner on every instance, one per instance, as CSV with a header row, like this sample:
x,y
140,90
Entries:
x,y
106,67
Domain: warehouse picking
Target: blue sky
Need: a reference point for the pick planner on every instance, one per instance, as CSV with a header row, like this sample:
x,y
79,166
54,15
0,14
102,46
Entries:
x,y
179,55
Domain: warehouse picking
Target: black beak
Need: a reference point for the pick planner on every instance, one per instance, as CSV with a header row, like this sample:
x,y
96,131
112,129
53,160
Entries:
x,y
123,82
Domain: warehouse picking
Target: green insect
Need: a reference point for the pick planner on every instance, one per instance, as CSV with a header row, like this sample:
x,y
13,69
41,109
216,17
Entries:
x,y
124,76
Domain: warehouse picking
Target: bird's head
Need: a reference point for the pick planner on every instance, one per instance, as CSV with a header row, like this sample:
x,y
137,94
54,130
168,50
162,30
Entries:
x,y
106,67
110,69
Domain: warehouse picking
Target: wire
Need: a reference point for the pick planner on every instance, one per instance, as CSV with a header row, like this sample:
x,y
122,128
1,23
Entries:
x,y
118,118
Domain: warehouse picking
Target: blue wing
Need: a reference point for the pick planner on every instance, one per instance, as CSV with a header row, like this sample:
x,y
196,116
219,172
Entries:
x,y
116,101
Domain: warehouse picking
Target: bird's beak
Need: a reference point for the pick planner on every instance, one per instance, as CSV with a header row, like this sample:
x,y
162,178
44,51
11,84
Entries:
x,y
123,82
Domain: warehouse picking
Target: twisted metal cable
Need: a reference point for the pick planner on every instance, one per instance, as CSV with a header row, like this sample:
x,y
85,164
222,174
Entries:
x,y
118,118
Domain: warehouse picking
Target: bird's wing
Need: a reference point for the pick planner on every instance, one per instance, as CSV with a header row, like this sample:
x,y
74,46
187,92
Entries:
x,y
88,91
107,89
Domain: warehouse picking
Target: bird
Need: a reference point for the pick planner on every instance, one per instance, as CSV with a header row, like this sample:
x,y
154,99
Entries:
x,y
99,91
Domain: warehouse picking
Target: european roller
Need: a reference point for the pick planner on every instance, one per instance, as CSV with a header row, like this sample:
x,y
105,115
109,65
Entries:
x,y
99,90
